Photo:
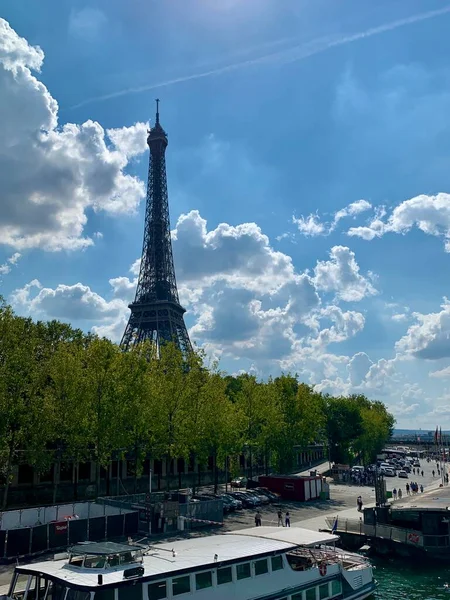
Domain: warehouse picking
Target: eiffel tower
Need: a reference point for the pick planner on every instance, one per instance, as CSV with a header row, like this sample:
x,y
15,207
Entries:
x,y
156,313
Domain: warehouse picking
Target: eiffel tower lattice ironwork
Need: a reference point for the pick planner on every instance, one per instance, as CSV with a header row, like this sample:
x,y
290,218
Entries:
x,y
156,313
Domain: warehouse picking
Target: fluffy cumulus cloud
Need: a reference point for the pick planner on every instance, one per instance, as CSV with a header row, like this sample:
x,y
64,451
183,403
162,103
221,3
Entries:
x,y
341,274
245,300
51,176
66,302
313,226
430,214
6,267
429,336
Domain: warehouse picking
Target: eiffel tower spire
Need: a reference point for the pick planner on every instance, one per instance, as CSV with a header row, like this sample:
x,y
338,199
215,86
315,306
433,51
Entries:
x,y
156,313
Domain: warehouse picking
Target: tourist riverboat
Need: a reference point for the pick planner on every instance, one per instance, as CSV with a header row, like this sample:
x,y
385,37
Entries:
x,y
261,563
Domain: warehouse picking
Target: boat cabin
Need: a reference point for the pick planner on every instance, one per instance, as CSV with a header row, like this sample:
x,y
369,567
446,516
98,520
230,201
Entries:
x,y
265,563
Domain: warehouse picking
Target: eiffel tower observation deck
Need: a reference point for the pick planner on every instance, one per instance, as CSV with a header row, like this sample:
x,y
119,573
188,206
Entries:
x,y
156,313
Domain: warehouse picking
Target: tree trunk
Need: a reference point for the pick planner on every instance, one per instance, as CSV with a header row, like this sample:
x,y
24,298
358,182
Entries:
x,y
216,473
108,479
75,481
56,472
97,479
251,465
168,461
8,472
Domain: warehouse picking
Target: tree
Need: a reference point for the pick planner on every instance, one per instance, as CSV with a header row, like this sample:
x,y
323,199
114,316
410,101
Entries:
x,y
343,427
103,401
67,394
25,419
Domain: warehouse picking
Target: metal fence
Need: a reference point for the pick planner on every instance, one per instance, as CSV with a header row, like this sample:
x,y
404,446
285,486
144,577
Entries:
x,y
19,537
388,532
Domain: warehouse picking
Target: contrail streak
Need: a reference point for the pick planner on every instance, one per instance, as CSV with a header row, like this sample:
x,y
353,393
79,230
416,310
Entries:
x,y
294,54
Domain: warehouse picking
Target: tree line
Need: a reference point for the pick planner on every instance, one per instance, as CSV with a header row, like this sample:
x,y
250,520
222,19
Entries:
x,y
70,396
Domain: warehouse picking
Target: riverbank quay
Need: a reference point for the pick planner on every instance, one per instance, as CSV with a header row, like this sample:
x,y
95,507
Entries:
x,y
415,526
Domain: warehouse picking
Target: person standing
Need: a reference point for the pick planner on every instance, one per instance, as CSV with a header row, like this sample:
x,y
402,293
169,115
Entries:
x,y
394,493
400,494
359,503
421,488
287,520
258,519
280,518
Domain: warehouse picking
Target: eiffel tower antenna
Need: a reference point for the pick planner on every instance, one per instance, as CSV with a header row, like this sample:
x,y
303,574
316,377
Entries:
x,y
156,313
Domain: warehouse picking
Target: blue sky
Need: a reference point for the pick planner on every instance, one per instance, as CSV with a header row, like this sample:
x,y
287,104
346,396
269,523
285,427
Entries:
x,y
308,167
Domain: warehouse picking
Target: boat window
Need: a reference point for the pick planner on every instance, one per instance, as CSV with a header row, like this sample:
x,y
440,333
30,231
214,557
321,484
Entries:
x,y
157,591
94,562
277,563
130,592
76,561
113,561
243,571
105,594
310,594
56,591
336,587
261,567
33,593
323,591
224,575
78,595
181,585
203,580
126,558
20,585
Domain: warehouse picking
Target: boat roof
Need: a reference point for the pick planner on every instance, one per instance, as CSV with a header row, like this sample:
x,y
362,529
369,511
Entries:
x,y
174,558
295,535
103,548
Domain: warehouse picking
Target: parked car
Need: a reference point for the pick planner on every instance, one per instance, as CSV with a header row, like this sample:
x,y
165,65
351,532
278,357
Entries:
x,y
416,463
403,474
388,472
235,502
265,492
239,482
247,501
262,499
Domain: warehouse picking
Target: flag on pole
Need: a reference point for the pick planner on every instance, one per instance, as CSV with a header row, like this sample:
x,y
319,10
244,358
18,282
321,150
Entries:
x,y
335,526
436,436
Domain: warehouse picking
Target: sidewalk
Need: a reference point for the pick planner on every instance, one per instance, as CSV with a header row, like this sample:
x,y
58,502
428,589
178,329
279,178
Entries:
x,y
320,468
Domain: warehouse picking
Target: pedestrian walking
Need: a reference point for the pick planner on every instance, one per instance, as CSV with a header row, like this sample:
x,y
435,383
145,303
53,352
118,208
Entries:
x,y
400,493
258,519
287,520
359,503
414,471
432,472
280,518
407,489
421,488
422,472
394,493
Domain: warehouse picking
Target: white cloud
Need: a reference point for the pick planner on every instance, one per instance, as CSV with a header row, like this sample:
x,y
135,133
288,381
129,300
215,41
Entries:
x,y
430,214
5,268
52,176
313,226
441,374
66,302
353,209
429,338
341,275
310,226
358,368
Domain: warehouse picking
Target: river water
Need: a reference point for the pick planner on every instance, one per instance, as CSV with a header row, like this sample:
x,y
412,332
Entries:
x,y
402,580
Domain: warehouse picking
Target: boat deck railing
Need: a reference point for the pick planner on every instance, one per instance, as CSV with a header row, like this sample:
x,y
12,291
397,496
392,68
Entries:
x,y
328,555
